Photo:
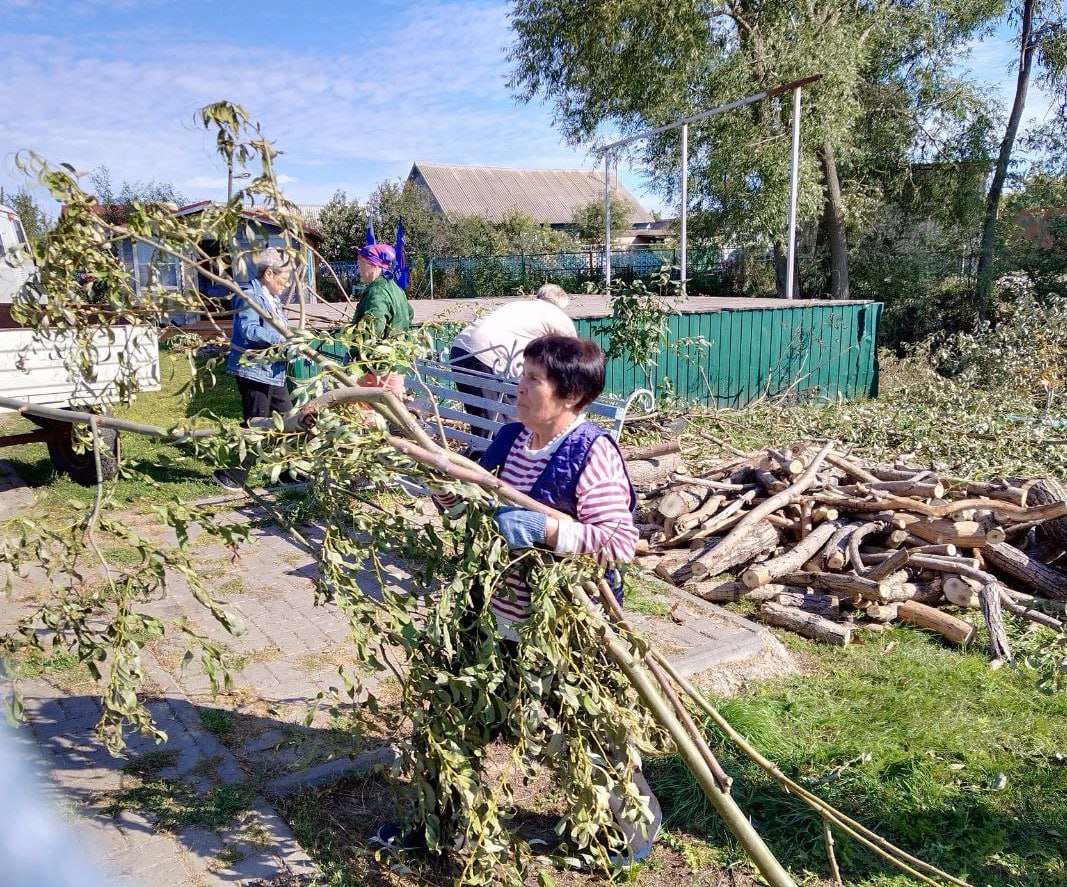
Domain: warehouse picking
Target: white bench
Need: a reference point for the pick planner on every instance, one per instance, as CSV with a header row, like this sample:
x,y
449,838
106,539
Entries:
x,y
436,395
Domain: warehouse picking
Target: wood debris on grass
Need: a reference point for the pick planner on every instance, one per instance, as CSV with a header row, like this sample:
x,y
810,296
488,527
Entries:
x,y
828,543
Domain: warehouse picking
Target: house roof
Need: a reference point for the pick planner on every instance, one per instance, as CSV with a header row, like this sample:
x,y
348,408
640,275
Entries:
x,y
549,196
308,219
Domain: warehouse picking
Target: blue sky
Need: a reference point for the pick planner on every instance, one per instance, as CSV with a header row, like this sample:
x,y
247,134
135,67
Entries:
x,y
351,93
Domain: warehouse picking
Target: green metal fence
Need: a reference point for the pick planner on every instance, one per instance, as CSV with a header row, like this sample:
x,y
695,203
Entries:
x,y
730,358
733,357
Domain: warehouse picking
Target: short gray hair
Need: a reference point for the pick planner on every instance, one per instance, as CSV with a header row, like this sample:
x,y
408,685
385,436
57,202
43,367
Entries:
x,y
554,294
273,259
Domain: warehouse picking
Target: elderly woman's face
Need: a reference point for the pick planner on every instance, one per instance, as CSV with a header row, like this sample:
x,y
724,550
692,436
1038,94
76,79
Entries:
x,y
277,280
367,271
538,404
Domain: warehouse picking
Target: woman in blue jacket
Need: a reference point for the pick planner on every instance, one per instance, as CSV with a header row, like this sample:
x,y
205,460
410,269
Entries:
x,y
260,380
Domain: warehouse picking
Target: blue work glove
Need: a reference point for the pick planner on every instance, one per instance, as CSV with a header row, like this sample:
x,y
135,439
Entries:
x,y
520,527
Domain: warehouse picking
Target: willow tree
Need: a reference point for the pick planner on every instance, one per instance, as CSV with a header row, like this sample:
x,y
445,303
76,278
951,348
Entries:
x,y
886,96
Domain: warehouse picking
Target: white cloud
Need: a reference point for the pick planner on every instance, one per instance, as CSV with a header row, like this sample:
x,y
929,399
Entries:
x,y
342,120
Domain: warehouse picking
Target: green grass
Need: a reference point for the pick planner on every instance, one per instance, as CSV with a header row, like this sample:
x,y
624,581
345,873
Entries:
x,y
176,805
64,665
950,760
216,720
151,762
956,428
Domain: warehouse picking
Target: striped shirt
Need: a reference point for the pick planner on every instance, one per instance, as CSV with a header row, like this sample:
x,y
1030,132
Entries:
x,y
604,528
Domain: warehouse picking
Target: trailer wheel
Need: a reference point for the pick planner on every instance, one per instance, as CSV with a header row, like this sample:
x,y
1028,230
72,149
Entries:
x,y
81,466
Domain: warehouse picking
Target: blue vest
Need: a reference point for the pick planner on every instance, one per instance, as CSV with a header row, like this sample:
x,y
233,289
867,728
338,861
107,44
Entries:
x,y
557,485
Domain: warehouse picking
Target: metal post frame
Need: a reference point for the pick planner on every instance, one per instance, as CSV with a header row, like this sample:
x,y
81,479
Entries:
x,y
682,263
607,224
794,173
610,149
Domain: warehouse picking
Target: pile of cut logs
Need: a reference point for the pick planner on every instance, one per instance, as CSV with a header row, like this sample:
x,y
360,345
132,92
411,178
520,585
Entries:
x,y
828,543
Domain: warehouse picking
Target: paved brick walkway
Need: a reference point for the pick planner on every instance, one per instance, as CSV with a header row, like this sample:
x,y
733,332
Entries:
x,y
254,739
14,494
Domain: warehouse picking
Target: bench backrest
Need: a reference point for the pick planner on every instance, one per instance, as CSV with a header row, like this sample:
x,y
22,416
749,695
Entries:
x,y
438,380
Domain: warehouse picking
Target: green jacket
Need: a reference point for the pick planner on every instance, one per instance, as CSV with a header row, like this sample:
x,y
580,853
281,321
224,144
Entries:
x,y
387,303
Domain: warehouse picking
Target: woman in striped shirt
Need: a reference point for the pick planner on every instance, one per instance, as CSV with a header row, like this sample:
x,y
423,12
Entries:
x,y
556,457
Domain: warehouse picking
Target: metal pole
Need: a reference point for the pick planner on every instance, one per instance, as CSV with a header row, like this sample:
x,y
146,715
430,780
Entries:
x,y
704,115
607,225
229,182
685,204
431,277
794,171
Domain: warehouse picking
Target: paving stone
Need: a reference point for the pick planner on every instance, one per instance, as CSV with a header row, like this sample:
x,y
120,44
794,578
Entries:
x,y
15,495
330,770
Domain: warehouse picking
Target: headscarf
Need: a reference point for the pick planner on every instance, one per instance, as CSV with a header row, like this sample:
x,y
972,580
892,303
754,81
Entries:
x,y
381,255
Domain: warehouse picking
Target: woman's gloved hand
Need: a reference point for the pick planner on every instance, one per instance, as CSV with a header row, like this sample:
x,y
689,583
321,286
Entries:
x,y
520,527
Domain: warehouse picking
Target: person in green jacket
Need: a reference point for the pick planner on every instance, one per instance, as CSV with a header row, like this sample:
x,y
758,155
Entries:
x,y
385,303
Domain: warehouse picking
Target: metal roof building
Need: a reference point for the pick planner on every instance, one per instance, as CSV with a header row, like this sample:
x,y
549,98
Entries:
x,y
549,196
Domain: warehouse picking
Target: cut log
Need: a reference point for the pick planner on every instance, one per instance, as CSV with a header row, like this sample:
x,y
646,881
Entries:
x,y
1046,492
681,500
925,490
805,518
835,553
734,549
653,451
769,482
840,583
792,561
716,523
670,563
989,601
850,467
896,592
891,473
996,490
921,546
881,612
896,561
717,485
961,591
787,463
650,474
727,592
1008,559
807,624
928,592
825,605
964,534
711,505
954,630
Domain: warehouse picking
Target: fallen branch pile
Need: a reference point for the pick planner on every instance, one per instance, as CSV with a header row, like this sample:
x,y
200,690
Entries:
x,y
828,543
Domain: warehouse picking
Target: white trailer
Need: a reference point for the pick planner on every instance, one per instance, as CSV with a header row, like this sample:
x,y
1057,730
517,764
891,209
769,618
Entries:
x,y
34,369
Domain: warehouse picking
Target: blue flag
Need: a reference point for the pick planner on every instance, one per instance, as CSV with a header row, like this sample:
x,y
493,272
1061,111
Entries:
x,y
400,264
370,233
